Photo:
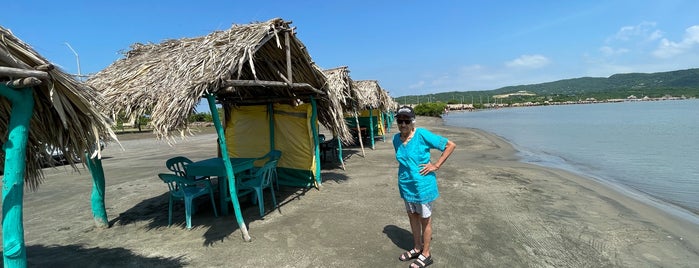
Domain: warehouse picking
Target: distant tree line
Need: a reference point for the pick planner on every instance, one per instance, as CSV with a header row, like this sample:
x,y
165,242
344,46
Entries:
x,y
619,86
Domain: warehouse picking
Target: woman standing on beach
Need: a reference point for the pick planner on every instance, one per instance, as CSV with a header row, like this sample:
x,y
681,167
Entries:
x,y
417,181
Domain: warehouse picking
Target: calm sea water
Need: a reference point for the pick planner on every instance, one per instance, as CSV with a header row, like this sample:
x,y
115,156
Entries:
x,y
649,149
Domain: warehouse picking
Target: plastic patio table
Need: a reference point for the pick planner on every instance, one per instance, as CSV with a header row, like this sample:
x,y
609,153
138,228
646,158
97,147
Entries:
x,y
214,167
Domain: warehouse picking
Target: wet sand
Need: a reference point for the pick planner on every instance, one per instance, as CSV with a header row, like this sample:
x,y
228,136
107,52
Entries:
x,y
493,212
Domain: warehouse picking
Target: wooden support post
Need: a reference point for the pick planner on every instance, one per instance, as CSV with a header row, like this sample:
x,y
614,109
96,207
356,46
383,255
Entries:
x,y
99,213
14,251
288,56
229,168
359,133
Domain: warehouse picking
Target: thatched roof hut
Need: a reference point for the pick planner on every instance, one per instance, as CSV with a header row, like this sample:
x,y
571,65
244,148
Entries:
x,y
370,95
367,94
245,65
67,114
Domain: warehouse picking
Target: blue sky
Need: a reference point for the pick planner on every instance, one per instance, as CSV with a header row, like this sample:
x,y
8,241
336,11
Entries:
x,y
410,47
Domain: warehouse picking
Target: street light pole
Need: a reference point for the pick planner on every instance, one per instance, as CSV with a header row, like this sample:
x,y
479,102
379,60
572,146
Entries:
x,y
77,58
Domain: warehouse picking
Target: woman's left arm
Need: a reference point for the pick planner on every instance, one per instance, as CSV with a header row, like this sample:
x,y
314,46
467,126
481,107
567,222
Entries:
x,y
447,152
429,167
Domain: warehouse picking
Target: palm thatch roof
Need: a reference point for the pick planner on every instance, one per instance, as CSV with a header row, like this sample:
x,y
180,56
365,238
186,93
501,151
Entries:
x,y
370,95
388,103
67,113
247,64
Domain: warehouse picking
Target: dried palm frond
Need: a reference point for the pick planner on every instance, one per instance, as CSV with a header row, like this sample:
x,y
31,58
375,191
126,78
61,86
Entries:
x,y
339,88
67,113
170,78
367,94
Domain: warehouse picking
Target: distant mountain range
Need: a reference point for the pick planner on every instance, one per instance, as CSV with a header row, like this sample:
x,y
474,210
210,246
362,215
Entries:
x,y
673,83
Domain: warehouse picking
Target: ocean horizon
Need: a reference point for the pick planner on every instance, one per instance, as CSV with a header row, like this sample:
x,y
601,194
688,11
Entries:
x,y
643,149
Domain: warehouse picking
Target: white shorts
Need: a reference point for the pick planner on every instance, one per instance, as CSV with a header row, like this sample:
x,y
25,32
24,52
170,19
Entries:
x,y
425,210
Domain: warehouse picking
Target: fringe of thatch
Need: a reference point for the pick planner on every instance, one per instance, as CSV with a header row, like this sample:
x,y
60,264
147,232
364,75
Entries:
x,y
387,103
67,113
338,85
167,80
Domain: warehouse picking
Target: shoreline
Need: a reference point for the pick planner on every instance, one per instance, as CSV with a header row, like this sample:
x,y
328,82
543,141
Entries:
x,y
666,205
493,211
682,219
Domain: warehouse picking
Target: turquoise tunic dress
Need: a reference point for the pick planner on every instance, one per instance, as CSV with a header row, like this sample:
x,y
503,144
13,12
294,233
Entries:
x,y
416,188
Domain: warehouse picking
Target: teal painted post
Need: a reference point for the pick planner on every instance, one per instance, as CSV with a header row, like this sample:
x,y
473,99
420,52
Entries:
x,y
229,167
314,130
371,127
99,213
14,252
339,153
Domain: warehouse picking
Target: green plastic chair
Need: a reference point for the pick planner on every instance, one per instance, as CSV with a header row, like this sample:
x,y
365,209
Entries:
x,y
270,156
177,165
183,188
260,180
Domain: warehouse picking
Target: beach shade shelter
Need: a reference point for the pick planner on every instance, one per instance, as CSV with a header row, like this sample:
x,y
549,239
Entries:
x,y
339,83
370,106
262,75
390,106
43,109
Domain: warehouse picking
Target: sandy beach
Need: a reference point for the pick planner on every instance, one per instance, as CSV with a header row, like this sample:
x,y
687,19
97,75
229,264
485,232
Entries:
x,y
494,211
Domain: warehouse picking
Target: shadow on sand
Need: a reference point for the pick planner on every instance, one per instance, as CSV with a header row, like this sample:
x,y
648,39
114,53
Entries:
x,y
55,256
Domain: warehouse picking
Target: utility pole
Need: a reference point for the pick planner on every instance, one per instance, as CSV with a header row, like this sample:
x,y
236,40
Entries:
x,y
77,58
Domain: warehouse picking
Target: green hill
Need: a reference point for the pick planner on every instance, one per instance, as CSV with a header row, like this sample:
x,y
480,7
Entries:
x,y
618,86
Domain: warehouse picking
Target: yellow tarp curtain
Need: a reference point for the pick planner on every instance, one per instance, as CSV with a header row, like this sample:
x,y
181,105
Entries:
x,y
378,119
248,134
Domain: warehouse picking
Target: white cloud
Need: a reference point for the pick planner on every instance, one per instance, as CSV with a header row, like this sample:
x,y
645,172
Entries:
x,y
669,49
644,31
528,61
657,34
610,51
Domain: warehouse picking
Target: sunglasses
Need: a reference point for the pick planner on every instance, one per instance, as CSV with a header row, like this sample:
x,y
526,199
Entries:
x,y
407,122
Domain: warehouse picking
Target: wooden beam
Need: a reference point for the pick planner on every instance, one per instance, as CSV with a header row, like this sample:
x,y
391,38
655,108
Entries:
x,y
7,58
45,67
24,82
271,67
21,73
288,56
260,83
257,101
